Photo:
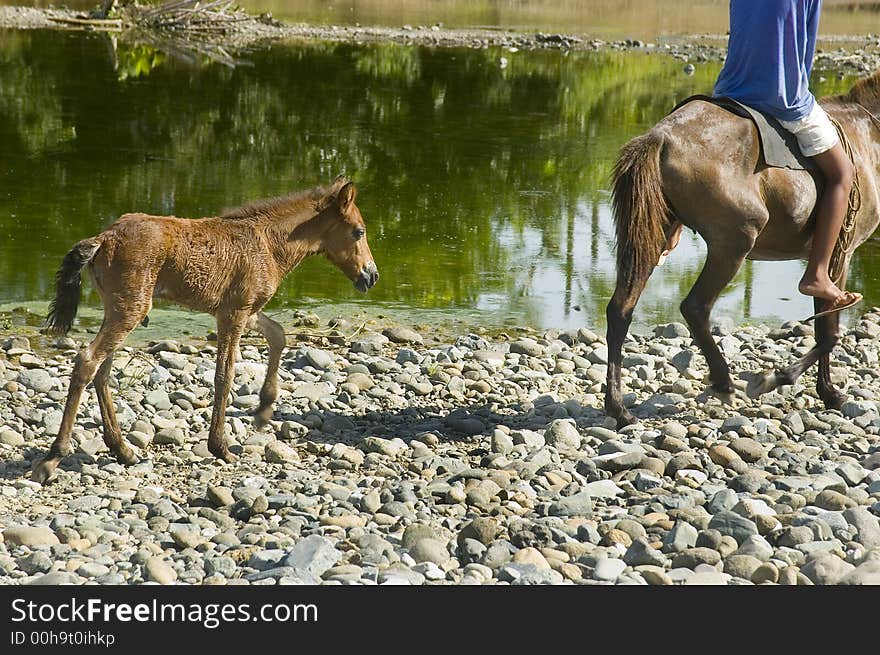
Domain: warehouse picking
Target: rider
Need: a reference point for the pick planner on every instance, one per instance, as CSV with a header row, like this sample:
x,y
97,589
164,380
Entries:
x,y
768,65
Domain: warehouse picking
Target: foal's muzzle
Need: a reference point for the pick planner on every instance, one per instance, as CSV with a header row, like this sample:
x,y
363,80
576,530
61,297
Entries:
x,y
367,278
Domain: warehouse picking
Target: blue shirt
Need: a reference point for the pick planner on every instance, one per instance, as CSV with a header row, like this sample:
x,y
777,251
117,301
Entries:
x,y
770,56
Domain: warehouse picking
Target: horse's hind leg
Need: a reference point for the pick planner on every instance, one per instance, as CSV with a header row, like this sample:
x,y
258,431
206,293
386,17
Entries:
x,y
274,334
827,335
112,433
113,330
619,316
722,264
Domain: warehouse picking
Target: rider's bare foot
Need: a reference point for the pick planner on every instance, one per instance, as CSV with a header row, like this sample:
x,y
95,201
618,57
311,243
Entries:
x,y
826,290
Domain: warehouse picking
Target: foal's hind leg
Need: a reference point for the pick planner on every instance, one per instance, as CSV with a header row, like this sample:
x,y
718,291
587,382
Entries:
x,y
722,264
113,330
274,334
112,433
230,326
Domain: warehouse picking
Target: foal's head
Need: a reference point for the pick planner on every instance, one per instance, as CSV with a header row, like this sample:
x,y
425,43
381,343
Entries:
x,y
345,241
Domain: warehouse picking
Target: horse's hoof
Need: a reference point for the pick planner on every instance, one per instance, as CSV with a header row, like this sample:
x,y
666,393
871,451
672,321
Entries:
x,y
760,384
726,396
626,418
833,399
44,470
127,457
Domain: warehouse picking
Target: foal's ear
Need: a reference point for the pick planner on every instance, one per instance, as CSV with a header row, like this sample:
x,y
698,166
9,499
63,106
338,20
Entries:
x,y
346,197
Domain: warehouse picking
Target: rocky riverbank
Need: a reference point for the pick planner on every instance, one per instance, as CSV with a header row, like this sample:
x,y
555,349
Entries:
x,y
483,461
857,54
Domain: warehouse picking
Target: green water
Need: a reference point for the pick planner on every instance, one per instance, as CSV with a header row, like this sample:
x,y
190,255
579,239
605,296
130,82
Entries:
x,y
484,186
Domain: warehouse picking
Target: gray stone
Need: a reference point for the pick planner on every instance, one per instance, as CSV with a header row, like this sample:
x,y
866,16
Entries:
x,y
579,504
866,524
741,566
733,525
36,379
682,536
825,568
608,569
158,570
641,553
563,434
400,334
318,358
313,555
29,536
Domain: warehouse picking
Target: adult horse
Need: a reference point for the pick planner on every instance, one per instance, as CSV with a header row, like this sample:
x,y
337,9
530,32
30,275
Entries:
x,y
228,266
701,166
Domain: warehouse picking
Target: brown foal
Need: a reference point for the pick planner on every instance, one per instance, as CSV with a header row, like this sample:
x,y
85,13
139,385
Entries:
x,y
228,266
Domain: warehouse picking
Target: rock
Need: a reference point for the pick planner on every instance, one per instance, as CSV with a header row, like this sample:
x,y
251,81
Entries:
x,y
278,452
36,379
733,525
833,500
11,438
866,524
429,550
320,359
563,435
482,529
312,555
158,570
403,335
741,566
825,568
748,449
220,496
527,346
29,536
641,553
608,569
682,536
579,504
690,558
531,556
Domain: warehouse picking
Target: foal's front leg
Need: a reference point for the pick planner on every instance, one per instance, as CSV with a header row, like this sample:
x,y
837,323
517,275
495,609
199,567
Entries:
x,y
274,335
230,326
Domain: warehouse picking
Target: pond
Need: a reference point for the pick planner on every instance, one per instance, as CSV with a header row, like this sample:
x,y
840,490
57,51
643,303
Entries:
x,y
483,173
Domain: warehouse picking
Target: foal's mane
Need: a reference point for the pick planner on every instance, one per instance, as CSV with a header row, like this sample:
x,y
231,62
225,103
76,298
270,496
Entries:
x,y
311,200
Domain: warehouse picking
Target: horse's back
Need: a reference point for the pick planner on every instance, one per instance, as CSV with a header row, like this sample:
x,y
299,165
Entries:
x,y
718,185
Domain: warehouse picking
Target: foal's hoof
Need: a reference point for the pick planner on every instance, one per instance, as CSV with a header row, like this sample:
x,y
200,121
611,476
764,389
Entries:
x,y
833,399
760,384
262,418
224,454
44,470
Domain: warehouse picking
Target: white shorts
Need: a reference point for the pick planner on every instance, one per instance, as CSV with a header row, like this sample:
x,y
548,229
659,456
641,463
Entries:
x,y
815,132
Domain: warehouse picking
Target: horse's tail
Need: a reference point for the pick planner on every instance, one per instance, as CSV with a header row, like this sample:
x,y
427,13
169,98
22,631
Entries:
x,y
68,281
641,211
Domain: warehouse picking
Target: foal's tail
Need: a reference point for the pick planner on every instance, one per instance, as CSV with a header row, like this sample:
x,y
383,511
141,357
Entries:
x,y
68,281
641,212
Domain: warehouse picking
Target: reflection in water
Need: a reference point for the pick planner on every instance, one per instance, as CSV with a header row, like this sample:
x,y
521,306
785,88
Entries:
x,y
484,188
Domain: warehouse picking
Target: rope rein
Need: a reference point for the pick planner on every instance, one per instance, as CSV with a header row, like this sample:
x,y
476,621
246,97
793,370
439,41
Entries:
x,y
843,247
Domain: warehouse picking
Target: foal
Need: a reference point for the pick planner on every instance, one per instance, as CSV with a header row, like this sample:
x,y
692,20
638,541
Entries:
x,y
228,266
